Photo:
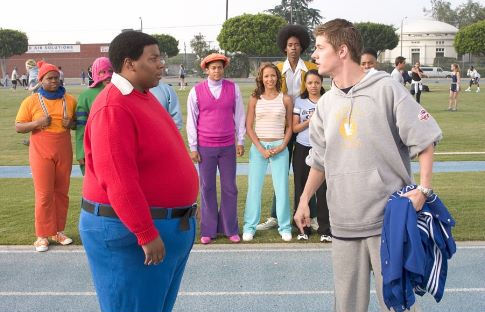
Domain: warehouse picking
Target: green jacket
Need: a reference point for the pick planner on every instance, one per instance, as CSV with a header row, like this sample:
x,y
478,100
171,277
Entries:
x,y
84,103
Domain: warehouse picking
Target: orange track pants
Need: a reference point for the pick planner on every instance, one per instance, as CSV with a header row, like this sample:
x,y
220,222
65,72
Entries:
x,y
50,156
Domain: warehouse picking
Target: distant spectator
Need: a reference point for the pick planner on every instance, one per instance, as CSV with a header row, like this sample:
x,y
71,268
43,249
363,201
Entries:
x,y
23,80
400,62
474,78
454,87
83,78
416,83
368,59
90,75
61,76
32,71
49,116
15,77
182,77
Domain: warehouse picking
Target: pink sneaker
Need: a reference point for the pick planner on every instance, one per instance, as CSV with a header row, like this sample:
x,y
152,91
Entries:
x,y
235,238
205,240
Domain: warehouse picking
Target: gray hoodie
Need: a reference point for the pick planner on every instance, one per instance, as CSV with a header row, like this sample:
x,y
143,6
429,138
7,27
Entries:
x,y
364,141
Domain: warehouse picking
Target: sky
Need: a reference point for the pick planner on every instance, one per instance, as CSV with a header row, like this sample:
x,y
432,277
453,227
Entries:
x,y
89,21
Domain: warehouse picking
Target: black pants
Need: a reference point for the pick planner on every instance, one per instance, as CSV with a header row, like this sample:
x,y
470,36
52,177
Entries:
x,y
417,94
300,172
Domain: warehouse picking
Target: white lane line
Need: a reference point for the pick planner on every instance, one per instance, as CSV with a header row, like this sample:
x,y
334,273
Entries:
x,y
459,153
326,249
219,293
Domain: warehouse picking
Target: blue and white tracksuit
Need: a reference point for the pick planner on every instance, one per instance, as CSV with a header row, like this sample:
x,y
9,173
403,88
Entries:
x,y
415,248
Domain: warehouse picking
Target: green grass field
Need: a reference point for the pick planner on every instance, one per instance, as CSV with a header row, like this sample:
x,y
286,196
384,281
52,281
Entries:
x,y
464,200
461,192
462,131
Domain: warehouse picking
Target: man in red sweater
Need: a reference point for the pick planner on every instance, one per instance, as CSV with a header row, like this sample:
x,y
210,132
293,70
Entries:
x,y
137,221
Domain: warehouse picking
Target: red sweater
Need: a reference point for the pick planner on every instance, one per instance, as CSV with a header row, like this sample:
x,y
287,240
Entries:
x,y
136,158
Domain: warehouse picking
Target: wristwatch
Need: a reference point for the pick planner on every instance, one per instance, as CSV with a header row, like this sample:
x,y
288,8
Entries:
x,y
426,191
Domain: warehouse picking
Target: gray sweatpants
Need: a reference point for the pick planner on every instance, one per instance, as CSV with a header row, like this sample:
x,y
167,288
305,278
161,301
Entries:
x,y
353,261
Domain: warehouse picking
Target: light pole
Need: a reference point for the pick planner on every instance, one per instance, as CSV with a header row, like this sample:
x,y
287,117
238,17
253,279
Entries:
x,y
402,23
141,24
227,9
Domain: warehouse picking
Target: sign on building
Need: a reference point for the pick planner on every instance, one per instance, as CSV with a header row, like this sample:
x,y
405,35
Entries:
x,y
54,48
104,49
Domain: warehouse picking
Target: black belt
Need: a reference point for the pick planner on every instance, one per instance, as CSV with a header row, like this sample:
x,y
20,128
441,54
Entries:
x,y
184,213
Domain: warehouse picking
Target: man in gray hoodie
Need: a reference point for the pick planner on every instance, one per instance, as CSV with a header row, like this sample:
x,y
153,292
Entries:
x,y
363,134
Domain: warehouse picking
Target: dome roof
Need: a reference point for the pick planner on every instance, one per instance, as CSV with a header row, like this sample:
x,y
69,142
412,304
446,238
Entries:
x,y
426,25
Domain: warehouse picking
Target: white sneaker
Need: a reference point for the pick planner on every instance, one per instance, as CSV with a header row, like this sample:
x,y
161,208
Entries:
x,y
248,236
314,224
286,237
478,90
467,90
302,237
325,239
269,224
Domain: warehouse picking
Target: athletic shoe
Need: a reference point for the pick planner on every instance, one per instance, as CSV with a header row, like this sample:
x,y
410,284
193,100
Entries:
x,y
269,224
325,239
61,238
286,237
467,90
302,237
235,238
41,244
248,236
314,224
205,240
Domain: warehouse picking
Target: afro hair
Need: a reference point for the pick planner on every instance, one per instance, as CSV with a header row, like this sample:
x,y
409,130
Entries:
x,y
297,31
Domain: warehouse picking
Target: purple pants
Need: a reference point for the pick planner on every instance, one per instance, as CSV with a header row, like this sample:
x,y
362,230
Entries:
x,y
213,220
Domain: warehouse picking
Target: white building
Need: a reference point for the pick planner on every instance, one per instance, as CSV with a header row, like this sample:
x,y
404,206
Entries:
x,y
423,39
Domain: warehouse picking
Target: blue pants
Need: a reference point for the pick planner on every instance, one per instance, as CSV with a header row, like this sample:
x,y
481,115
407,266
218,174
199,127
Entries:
x,y
122,281
279,173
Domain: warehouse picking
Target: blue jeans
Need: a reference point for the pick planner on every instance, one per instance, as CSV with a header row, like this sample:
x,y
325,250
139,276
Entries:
x,y
279,173
122,281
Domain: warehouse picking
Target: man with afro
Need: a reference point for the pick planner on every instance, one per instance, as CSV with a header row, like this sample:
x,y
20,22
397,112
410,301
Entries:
x,y
292,40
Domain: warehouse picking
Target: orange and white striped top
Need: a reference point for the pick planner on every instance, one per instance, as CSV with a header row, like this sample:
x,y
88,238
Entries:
x,y
270,118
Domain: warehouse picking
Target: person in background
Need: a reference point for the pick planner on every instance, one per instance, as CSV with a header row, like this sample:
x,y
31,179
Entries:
x,y
102,72
215,132
400,63
137,220
269,126
23,80
168,98
32,68
49,116
83,77
474,78
61,76
292,40
305,106
14,78
90,75
368,59
416,83
182,76
454,87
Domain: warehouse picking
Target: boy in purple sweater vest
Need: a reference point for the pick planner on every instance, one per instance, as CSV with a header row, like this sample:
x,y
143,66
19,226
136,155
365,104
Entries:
x,y
215,124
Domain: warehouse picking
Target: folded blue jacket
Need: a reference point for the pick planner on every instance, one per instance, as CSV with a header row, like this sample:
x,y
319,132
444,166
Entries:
x,y
415,248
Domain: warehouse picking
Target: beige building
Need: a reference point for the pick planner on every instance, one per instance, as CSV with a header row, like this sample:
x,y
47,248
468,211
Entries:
x,y
423,39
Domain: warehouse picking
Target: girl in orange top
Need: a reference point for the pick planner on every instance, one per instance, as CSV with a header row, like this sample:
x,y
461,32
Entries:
x,y
48,114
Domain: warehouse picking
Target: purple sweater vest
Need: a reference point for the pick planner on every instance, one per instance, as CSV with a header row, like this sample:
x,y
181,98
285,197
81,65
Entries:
x,y
215,125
